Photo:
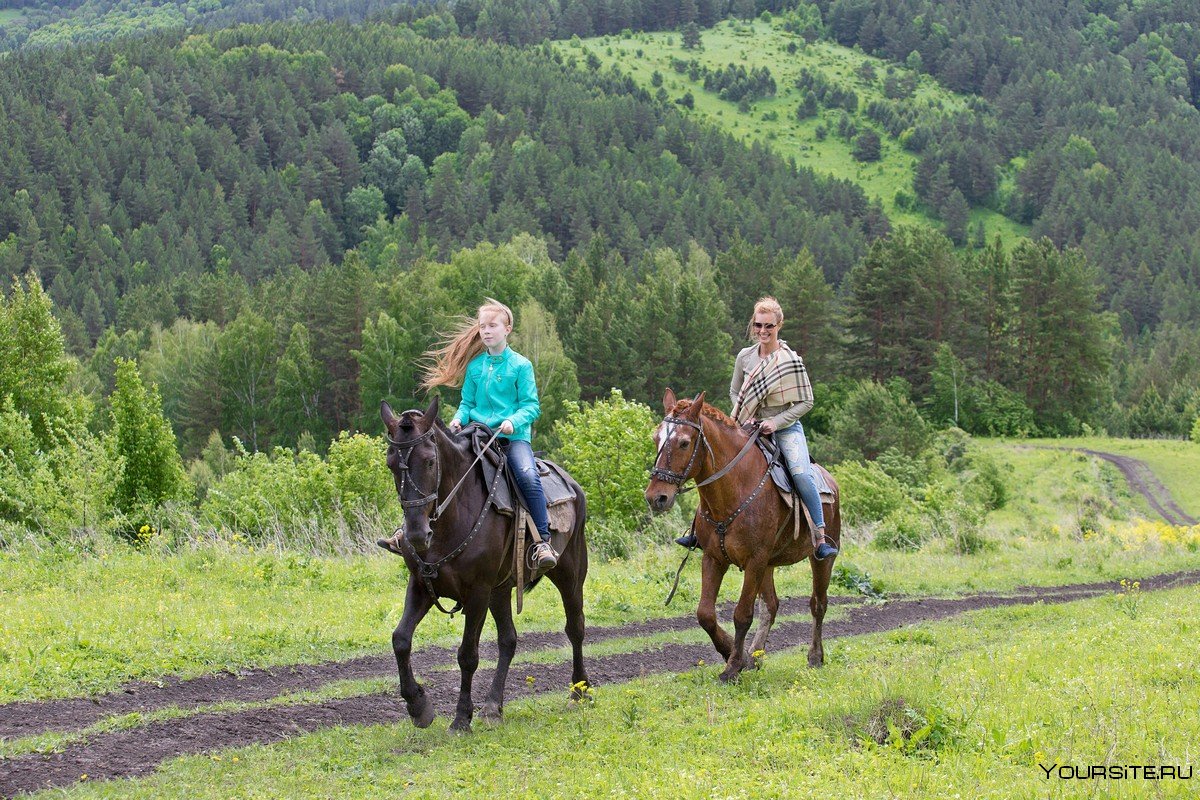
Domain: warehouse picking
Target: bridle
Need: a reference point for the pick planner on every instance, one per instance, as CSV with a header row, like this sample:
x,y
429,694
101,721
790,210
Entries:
x,y
667,474
404,469
429,570
678,478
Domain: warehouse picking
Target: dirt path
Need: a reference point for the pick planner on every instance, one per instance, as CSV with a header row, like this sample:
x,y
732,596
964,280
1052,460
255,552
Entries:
x,y
140,750
1142,480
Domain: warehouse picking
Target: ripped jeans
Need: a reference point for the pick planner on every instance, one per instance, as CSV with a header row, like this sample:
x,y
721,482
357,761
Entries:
x,y
519,454
793,446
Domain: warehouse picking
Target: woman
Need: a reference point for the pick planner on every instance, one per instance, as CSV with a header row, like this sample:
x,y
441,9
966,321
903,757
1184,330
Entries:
x,y
498,390
770,384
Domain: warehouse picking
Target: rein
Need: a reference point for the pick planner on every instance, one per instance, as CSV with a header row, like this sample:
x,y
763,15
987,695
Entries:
x,y
678,479
429,570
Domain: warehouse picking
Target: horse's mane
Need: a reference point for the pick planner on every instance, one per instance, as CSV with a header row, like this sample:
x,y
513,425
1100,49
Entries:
x,y
712,412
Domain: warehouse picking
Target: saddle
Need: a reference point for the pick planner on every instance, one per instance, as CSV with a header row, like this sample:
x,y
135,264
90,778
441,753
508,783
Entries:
x,y
509,500
508,497
779,473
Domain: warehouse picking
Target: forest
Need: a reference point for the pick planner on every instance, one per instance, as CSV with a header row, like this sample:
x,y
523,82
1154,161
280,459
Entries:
x,y
264,227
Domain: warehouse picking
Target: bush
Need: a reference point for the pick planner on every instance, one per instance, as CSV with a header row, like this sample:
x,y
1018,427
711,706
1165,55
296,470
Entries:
x,y
607,447
869,494
1196,431
903,529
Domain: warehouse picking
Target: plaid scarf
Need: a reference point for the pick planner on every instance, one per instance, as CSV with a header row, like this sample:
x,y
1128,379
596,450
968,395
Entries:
x,y
775,382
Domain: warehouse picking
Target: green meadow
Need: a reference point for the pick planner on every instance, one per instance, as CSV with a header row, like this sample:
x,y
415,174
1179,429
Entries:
x,y
79,624
977,706
773,120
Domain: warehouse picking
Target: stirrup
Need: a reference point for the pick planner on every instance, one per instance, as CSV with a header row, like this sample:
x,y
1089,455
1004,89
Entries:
x,y
391,544
825,550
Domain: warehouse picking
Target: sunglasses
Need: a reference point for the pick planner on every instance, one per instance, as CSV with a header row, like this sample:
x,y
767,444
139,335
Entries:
x,y
764,326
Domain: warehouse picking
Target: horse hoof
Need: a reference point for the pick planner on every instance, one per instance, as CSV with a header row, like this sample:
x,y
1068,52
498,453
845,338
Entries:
x,y
729,676
460,727
816,661
424,716
491,712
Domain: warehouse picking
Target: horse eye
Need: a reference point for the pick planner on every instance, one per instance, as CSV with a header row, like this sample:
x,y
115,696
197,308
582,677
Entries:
x,y
429,462
684,445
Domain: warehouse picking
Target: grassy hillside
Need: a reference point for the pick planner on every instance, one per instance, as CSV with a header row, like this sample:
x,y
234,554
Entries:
x,y
773,120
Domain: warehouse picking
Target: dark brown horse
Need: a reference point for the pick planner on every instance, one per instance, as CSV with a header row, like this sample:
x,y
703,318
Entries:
x,y
742,521
459,547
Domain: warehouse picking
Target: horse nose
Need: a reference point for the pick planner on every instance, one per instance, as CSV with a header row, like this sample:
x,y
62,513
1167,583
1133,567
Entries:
x,y
658,503
419,539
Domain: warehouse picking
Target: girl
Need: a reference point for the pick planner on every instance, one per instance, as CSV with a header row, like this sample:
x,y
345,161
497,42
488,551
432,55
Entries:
x,y
498,389
771,384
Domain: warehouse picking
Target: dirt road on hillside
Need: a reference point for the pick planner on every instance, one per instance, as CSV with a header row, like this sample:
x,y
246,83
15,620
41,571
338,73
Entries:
x,y
141,749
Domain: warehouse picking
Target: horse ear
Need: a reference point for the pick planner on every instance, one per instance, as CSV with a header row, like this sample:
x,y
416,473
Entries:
x,y
698,402
389,417
668,400
431,413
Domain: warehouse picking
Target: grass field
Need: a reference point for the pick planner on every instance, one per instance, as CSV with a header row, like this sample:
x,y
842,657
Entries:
x,y
968,707
77,625
758,43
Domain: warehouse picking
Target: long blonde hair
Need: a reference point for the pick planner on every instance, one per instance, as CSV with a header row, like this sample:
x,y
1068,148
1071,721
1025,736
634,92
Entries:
x,y
447,363
765,305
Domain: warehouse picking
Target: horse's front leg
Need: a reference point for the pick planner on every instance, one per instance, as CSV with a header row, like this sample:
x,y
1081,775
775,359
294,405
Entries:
x,y
743,616
416,605
475,608
506,640
712,572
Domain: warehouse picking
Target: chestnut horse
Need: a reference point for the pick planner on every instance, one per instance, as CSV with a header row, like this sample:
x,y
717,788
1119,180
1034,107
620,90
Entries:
x,y
458,546
742,521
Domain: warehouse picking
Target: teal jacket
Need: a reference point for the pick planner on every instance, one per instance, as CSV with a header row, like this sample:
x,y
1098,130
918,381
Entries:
x,y
498,388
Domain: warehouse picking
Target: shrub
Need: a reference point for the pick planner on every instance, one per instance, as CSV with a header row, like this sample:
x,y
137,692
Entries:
x,y
903,529
868,494
153,471
1196,431
607,446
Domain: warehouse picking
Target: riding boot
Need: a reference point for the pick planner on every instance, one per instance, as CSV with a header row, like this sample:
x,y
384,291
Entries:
x,y
689,539
392,543
825,549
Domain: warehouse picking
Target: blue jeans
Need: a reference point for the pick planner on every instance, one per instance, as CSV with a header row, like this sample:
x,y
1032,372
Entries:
x,y
520,462
794,449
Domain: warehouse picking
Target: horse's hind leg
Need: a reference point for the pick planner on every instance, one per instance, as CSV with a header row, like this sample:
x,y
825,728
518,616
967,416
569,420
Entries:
x,y
817,603
712,573
475,612
506,640
416,605
568,578
766,608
